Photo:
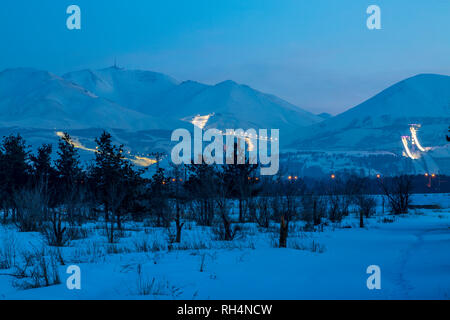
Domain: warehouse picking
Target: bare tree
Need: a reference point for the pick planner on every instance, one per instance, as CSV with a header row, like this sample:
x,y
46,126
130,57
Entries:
x,y
263,212
55,229
314,208
178,194
341,194
221,197
364,203
201,187
289,192
366,207
398,192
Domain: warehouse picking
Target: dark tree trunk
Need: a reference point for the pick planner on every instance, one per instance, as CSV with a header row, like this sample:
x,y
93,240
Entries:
x,y
227,228
179,225
284,225
361,219
119,221
316,217
241,214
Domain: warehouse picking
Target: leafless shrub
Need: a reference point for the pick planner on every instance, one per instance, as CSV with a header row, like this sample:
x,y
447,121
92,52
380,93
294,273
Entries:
x,y
113,248
55,229
77,233
192,245
91,252
150,286
262,212
398,192
222,233
39,268
338,207
8,251
113,235
314,210
387,220
366,206
301,244
147,244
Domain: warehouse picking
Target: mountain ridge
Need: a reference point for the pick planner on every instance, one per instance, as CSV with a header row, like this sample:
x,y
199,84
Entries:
x,y
422,99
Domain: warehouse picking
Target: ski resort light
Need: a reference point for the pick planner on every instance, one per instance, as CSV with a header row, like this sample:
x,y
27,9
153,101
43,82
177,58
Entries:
x,y
200,121
140,161
433,175
426,174
415,139
407,151
378,176
333,176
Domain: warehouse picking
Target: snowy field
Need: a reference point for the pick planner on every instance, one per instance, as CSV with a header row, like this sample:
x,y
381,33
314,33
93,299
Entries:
x,y
412,252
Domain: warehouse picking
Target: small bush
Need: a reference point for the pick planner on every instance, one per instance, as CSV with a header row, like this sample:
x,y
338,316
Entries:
x,y
220,234
77,233
147,286
7,252
388,220
312,246
92,252
39,268
146,244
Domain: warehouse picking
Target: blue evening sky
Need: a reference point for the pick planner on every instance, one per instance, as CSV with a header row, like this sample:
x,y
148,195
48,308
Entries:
x,y
317,54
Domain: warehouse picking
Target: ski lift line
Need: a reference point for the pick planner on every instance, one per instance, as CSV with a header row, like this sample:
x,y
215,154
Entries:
x,y
201,121
416,140
408,152
139,161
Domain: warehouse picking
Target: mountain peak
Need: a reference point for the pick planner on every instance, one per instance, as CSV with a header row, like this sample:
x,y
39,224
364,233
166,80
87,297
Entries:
x,y
379,121
114,67
229,83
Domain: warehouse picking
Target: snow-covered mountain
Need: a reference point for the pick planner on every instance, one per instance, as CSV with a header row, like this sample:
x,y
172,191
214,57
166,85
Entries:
x,y
378,123
38,99
137,100
134,89
231,105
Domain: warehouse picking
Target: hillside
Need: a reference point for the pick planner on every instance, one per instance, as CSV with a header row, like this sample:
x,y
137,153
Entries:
x,y
379,122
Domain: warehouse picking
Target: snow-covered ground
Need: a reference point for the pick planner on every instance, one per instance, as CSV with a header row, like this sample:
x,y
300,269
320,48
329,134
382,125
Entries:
x,y
412,252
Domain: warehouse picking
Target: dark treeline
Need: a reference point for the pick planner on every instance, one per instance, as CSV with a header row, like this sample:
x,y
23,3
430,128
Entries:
x,y
54,197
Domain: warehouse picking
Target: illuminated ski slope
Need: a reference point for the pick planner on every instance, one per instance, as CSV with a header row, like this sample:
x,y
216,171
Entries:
x,y
415,139
415,142
137,160
201,121
405,145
